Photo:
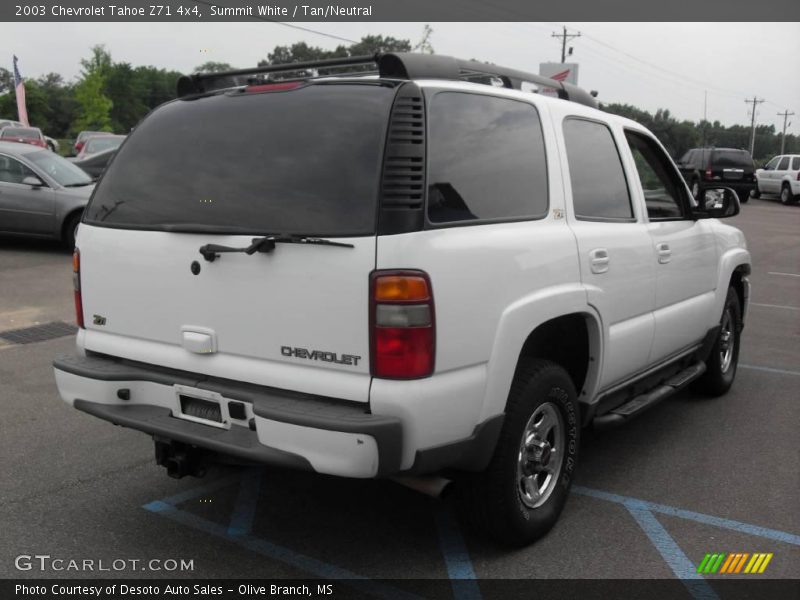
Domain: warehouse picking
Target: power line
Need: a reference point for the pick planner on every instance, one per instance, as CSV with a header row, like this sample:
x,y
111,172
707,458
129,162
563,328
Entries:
x,y
292,26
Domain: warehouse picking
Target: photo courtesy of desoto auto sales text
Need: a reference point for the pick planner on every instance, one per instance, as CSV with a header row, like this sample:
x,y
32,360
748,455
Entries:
x,y
400,300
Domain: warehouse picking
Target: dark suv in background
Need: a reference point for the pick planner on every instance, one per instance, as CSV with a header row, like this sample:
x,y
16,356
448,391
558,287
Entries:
x,y
710,167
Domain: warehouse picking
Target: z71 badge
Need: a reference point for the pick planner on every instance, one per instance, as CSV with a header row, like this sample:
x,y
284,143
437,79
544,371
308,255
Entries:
x,y
332,357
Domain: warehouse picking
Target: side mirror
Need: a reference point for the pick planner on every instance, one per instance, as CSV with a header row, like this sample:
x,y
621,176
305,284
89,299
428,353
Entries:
x,y
33,181
717,203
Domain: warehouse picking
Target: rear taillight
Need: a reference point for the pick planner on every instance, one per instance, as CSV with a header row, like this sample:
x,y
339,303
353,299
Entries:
x,y
76,284
709,173
403,331
798,176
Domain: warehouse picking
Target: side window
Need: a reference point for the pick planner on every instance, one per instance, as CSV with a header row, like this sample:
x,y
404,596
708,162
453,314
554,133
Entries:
x,y
662,194
13,171
487,159
784,164
770,166
796,163
599,187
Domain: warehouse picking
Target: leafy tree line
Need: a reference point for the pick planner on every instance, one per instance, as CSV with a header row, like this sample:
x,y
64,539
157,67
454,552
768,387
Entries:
x,y
679,136
114,96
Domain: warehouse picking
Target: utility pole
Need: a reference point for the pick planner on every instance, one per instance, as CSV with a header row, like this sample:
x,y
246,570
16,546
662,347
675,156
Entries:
x,y
785,114
755,102
565,37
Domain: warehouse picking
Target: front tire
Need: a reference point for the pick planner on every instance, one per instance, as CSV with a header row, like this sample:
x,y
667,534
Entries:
x,y
724,358
755,193
520,495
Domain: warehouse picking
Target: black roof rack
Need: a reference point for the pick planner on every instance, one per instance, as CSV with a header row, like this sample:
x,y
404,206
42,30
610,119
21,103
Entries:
x,y
394,65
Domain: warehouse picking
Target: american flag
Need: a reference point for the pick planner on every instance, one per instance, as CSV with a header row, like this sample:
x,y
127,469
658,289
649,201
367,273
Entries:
x,y
19,88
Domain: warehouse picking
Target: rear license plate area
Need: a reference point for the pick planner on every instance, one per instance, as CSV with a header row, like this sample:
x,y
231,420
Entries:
x,y
198,408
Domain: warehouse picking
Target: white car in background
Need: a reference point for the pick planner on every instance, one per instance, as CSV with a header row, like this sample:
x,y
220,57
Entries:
x,y
781,175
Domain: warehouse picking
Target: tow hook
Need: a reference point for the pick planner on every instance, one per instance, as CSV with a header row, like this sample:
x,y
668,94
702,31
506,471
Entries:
x,y
179,459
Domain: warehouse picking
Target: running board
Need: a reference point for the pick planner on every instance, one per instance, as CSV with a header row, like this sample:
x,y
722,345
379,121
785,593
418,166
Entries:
x,y
642,402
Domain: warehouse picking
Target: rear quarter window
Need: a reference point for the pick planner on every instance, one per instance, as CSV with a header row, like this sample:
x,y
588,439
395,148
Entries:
x,y
486,160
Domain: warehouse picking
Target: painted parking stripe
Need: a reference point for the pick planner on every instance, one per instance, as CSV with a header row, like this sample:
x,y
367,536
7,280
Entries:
x,y
764,532
456,557
280,553
784,274
770,370
775,306
202,490
669,550
244,512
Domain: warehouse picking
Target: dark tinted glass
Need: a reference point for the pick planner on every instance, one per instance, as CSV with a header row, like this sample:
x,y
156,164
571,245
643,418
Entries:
x,y
599,188
796,163
658,178
732,158
304,161
21,132
487,159
784,164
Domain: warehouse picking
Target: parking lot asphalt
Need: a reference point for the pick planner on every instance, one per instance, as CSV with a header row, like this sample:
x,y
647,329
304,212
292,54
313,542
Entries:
x,y
691,476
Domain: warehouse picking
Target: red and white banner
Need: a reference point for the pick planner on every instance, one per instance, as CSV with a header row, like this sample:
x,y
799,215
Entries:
x,y
19,88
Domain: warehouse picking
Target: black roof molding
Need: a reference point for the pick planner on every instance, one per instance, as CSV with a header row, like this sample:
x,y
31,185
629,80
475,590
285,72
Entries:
x,y
393,65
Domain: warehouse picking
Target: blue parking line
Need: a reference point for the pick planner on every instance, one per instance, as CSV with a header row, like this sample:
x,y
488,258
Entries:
x,y
671,552
456,557
764,532
280,553
196,492
770,370
244,512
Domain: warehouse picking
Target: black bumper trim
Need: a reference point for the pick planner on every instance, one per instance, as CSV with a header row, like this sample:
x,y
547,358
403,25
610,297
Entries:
x,y
284,406
158,421
470,454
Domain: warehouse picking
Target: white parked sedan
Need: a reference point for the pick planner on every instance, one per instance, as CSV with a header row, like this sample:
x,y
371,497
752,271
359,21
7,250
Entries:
x,y
780,176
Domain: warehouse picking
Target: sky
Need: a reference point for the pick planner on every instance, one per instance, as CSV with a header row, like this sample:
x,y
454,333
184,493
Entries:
x,y
691,69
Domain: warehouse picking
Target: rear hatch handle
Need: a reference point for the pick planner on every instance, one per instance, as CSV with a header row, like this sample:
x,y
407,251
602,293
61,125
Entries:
x,y
267,244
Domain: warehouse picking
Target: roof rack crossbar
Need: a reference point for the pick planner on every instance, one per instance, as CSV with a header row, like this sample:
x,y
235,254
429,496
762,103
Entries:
x,y
393,65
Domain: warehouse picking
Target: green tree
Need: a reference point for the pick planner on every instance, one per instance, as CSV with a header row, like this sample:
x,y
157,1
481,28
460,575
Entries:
x,y
213,67
95,106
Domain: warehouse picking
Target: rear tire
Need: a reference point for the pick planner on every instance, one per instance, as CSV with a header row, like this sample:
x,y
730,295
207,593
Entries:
x,y
755,193
71,230
786,194
721,364
520,495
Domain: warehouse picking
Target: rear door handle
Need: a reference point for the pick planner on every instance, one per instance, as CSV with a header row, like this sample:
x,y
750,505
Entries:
x,y
599,260
664,253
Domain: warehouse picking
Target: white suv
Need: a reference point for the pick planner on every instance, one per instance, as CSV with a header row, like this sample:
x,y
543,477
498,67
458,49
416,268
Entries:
x,y
781,175
408,272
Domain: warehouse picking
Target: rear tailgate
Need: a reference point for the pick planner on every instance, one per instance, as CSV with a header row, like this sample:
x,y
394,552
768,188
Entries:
x,y
223,170
293,319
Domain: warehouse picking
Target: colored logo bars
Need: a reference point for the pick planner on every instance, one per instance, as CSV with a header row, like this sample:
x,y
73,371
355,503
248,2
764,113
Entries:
x,y
742,562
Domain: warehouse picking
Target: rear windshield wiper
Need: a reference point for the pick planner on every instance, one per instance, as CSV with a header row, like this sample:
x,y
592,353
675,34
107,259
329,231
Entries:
x,y
267,244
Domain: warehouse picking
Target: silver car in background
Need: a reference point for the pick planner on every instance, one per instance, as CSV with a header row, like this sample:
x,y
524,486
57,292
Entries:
x,y
41,193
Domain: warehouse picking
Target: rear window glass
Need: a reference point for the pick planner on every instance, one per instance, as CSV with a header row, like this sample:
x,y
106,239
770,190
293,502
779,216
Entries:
x,y
305,161
487,159
796,163
28,134
732,158
100,143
